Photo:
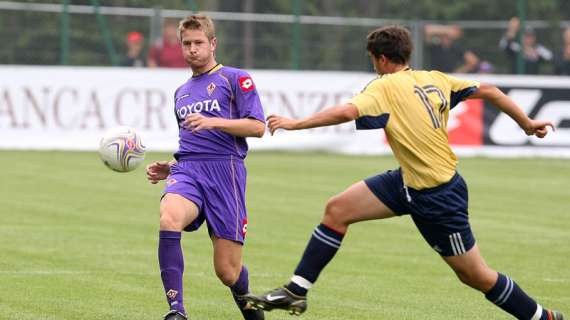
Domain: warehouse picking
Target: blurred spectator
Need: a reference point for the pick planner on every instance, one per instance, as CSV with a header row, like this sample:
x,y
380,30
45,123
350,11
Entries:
x,y
534,54
485,67
135,56
562,65
167,52
445,54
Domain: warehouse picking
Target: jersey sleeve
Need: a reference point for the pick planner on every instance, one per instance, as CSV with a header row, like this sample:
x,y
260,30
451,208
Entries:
x,y
461,89
372,100
247,98
372,105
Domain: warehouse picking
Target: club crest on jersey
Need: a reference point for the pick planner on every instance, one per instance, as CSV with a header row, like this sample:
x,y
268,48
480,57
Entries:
x,y
171,294
246,84
211,87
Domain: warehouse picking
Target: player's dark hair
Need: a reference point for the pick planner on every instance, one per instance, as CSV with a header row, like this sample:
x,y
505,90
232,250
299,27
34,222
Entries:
x,y
394,42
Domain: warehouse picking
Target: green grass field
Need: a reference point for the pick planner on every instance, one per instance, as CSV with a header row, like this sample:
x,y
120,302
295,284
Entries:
x,y
78,241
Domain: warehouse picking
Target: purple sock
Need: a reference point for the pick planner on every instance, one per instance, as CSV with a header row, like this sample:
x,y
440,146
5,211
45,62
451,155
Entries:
x,y
171,264
241,286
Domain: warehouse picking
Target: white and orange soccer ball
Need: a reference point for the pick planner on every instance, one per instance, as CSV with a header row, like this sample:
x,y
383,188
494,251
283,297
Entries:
x,y
121,149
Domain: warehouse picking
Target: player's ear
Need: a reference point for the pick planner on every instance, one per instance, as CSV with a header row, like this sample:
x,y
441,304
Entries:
x,y
379,58
214,43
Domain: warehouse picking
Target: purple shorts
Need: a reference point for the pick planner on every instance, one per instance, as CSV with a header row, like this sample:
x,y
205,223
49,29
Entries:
x,y
217,187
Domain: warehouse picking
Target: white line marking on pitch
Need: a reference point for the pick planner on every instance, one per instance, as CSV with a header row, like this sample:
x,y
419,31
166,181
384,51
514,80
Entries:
x,y
555,280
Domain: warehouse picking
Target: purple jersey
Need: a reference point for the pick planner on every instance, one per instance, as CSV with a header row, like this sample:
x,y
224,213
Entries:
x,y
223,92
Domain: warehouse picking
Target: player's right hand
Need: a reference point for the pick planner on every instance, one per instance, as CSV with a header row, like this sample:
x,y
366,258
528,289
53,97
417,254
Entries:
x,y
275,122
157,171
538,128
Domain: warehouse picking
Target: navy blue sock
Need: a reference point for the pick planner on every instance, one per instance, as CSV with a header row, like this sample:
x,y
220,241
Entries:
x,y
320,250
507,295
171,268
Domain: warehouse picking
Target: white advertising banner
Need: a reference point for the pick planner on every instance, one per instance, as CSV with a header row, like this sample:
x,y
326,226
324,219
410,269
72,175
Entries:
x,y
69,108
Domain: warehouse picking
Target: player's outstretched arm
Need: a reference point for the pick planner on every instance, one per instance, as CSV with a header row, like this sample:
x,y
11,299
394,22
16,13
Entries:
x,y
245,127
507,105
327,117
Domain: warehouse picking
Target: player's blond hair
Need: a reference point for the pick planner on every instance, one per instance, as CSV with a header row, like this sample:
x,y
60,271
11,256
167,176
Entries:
x,y
198,22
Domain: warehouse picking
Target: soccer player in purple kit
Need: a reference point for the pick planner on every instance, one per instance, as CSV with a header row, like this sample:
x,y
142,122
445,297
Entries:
x,y
216,110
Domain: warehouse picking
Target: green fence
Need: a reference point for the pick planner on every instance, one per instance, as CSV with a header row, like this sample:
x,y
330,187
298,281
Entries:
x,y
93,34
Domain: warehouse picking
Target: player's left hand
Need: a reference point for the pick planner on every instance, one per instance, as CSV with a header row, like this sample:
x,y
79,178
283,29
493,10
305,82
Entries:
x,y
538,128
197,122
157,171
275,122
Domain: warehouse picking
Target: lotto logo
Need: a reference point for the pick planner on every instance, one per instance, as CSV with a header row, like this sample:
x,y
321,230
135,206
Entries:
x,y
244,227
246,84
550,104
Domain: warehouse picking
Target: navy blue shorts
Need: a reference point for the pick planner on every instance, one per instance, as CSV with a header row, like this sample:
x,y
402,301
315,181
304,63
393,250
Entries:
x,y
440,213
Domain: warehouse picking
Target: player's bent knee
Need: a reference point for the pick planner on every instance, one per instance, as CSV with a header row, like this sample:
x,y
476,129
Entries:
x,y
169,220
335,210
167,223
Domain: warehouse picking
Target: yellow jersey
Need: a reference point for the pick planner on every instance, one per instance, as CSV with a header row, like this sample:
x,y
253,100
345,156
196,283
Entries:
x,y
413,108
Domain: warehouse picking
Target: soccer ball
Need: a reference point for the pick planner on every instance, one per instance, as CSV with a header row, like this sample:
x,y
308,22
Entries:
x,y
121,149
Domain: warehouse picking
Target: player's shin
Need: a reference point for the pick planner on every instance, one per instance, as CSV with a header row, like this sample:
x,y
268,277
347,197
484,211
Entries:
x,y
171,263
320,250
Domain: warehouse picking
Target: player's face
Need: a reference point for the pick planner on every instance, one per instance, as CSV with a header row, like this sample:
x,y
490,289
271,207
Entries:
x,y
197,49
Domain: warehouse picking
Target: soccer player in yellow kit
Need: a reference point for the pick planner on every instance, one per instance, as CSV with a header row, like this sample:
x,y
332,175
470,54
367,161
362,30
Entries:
x,y
413,108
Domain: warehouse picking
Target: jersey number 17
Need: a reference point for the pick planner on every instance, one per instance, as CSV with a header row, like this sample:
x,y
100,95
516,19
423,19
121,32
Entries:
x,y
435,114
